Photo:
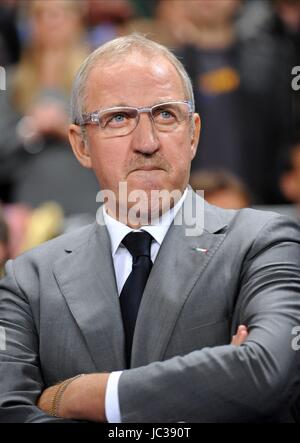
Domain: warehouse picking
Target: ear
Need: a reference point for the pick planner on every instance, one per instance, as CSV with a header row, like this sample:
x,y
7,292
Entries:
x,y
79,146
195,134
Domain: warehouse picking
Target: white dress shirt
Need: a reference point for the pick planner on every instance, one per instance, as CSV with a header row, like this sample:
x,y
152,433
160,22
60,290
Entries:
x,y
122,260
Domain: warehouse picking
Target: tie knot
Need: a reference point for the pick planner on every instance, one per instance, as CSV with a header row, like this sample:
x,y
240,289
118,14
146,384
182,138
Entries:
x,y
138,243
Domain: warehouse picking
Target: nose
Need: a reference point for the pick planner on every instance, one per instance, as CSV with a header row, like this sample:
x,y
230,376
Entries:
x,y
145,139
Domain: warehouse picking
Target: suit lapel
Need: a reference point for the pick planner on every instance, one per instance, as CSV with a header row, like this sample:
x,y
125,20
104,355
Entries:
x,y
87,281
181,262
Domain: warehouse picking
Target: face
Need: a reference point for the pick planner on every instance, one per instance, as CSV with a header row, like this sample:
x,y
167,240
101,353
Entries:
x,y
54,23
145,159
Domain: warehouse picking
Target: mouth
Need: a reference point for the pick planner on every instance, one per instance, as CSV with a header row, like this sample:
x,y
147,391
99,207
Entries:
x,y
147,168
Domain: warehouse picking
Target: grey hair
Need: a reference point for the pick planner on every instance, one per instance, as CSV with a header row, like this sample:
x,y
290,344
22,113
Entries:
x,y
112,51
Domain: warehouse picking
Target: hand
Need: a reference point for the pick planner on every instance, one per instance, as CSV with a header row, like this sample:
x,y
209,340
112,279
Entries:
x,y
83,399
241,335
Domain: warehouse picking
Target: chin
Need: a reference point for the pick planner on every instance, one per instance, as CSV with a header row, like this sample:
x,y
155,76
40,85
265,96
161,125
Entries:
x,y
146,185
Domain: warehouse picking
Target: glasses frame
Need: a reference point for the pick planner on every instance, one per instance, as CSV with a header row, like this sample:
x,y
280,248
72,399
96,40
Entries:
x,y
93,118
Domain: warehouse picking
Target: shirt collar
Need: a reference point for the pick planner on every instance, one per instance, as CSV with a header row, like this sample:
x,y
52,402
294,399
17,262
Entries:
x,y
117,230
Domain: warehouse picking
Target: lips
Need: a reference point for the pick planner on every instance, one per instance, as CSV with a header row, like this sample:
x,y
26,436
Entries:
x,y
147,168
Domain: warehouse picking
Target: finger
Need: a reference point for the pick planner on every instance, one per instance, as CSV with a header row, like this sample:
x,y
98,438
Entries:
x,y
240,336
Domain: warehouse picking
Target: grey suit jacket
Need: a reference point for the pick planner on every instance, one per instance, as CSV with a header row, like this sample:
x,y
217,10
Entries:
x,y
60,314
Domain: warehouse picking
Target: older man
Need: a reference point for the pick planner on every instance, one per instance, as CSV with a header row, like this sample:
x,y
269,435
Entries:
x,y
130,319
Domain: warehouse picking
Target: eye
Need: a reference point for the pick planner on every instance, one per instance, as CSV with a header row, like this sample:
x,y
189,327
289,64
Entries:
x,y
117,118
164,115
114,119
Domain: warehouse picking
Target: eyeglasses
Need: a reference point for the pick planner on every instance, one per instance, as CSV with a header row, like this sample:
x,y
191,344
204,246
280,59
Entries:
x,y
121,121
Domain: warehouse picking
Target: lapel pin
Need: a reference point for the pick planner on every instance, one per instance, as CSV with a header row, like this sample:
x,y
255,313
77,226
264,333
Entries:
x,y
201,250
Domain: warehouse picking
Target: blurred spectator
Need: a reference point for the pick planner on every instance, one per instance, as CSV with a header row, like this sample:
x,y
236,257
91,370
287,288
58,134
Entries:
x,y
280,20
104,18
30,227
205,23
254,17
165,21
221,189
35,157
285,26
286,22
290,179
45,223
3,242
9,40
242,92
17,217
144,8
108,11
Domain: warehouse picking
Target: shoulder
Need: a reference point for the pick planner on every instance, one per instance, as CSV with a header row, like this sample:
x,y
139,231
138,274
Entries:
x,y
253,223
214,219
244,217
32,273
47,253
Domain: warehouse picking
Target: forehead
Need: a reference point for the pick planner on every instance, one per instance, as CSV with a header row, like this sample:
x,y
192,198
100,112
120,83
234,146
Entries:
x,y
135,80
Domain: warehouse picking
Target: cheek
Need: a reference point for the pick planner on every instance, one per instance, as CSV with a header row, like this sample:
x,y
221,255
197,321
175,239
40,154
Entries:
x,y
105,169
178,152
108,163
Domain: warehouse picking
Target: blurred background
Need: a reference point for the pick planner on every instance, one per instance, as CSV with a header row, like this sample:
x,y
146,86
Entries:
x,y
239,55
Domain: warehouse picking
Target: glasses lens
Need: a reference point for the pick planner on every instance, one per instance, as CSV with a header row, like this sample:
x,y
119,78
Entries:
x,y
167,116
118,121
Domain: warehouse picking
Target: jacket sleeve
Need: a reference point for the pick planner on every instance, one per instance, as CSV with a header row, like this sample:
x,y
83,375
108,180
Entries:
x,y
251,382
21,380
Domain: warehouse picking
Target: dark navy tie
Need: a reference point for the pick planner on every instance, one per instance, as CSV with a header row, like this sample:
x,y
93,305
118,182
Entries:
x,y
139,246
